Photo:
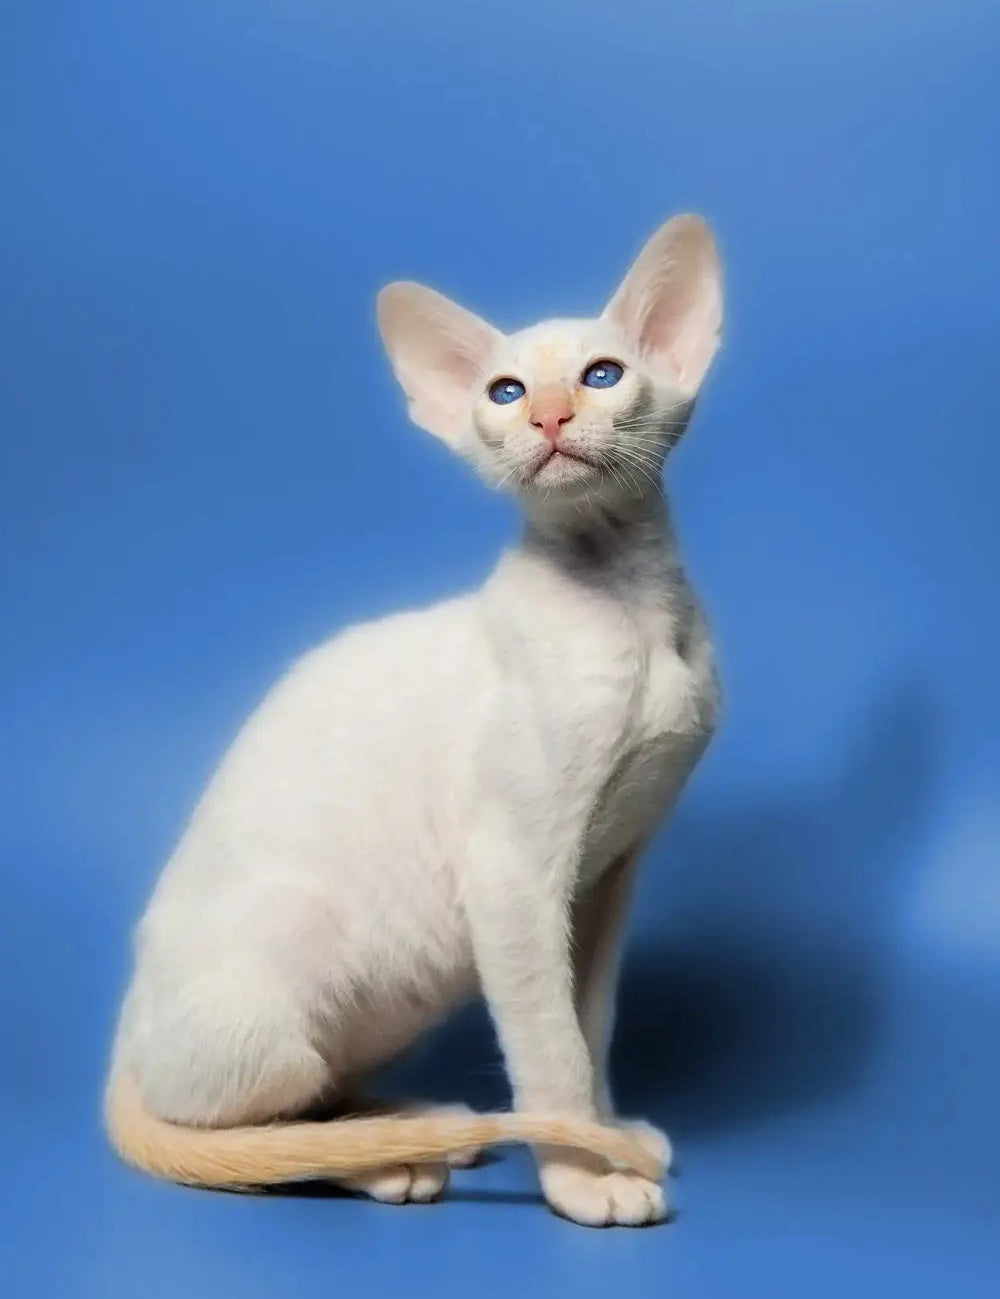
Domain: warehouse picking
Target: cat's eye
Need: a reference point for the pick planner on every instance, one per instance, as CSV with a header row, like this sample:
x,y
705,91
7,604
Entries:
x,y
603,374
504,391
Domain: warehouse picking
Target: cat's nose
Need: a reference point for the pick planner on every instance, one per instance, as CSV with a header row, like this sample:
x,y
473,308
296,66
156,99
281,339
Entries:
x,y
550,409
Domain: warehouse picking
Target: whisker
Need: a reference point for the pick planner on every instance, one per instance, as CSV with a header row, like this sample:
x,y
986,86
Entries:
x,y
639,455
643,467
642,442
664,438
649,421
612,463
645,472
510,474
646,433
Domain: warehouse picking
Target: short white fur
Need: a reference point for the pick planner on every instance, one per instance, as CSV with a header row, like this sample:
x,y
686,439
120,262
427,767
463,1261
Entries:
x,y
452,799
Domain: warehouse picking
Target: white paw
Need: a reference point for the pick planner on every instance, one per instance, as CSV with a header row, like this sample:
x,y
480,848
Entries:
x,y
464,1158
651,1139
599,1199
401,1184
458,1158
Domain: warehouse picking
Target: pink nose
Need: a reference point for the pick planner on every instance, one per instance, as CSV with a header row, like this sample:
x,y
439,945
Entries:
x,y
550,410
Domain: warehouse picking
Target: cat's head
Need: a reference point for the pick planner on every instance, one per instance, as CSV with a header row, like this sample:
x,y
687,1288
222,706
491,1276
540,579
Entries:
x,y
567,411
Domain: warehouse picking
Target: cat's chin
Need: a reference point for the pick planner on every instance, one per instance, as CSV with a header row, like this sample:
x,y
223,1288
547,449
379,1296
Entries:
x,y
566,468
573,490
564,475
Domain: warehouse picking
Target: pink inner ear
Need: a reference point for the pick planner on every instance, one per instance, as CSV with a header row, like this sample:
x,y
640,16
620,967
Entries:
x,y
440,363
439,351
682,324
461,363
670,303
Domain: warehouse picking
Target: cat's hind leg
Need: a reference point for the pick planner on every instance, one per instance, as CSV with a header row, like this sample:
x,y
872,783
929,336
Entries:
x,y
405,1183
221,1052
401,1183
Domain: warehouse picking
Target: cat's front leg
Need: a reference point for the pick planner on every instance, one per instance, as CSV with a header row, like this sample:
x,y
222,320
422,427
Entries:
x,y
599,921
518,897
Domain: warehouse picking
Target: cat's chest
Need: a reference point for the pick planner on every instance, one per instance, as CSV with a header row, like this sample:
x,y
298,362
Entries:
x,y
609,693
648,736
630,691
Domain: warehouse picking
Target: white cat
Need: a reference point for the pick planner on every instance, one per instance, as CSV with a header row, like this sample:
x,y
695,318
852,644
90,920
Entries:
x,y
454,799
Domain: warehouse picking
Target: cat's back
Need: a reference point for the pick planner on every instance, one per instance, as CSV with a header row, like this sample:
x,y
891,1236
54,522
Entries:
x,y
322,815
348,737
391,677
381,665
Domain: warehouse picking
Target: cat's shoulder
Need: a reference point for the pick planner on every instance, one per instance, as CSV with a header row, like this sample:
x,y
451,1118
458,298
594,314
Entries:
x,y
393,639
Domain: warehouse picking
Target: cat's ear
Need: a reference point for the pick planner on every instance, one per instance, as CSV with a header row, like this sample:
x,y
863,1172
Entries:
x,y
670,302
440,353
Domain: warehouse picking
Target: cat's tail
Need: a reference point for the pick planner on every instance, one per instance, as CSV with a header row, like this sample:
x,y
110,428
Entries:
x,y
298,1151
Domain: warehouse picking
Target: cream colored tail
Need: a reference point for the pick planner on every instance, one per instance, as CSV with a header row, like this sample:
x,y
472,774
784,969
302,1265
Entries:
x,y
288,1152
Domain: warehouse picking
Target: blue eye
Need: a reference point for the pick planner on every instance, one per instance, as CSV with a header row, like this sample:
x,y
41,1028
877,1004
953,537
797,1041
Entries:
x,y
603,374
504,391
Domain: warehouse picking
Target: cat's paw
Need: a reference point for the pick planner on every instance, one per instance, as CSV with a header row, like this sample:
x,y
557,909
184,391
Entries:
x,y
464,1158
652,1140
365,1105
458,1158
402,1183
601,1199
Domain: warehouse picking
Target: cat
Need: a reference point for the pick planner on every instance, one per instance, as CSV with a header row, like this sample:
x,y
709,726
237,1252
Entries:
x,y
452,800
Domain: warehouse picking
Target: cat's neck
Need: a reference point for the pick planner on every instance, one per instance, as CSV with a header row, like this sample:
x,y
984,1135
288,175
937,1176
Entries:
x,y
630,543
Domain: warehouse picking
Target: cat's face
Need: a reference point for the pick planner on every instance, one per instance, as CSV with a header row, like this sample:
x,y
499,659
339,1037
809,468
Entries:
x,y
569,411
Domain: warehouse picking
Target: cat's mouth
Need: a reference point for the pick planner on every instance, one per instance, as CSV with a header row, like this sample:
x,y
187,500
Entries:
x,y
558,455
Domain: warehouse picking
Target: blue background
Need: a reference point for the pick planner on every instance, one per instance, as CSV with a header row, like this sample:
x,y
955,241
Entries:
x,y
206,468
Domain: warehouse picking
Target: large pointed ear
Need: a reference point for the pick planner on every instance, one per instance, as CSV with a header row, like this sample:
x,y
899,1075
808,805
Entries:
x,y
440,353
670,302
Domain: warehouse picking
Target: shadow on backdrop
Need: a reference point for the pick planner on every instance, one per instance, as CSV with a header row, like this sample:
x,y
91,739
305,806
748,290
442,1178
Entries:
x,y
766,991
